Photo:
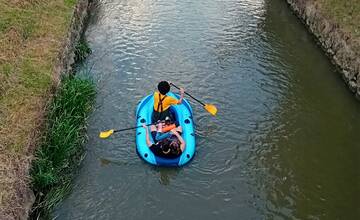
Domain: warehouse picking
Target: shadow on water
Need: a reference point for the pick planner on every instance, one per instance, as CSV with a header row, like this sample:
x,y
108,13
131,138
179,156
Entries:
x,y
166,174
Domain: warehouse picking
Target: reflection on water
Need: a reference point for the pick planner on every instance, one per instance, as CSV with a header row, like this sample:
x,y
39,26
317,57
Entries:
x,y
166,174
284,144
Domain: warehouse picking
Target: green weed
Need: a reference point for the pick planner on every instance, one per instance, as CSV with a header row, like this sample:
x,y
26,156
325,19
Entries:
x,y
70,2
6,69
30,77
82,50
63,143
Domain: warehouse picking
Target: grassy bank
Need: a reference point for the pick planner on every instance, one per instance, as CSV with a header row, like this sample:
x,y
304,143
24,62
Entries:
x,y
62,146
31,36
345,13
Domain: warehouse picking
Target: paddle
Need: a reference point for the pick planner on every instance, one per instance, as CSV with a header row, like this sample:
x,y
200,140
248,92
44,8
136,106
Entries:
x,y
106,134
208,107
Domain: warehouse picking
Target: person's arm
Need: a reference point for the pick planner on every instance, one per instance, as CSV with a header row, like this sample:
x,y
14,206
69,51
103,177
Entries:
x,y
148,142
175,101
182,92
182,142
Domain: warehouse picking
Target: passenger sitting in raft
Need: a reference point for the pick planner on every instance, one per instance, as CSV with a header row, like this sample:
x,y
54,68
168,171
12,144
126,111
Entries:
x,y
161,130
177,143
162,102
170,147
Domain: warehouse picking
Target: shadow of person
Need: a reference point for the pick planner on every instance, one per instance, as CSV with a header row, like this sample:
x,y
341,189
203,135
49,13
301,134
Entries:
x,y
166,174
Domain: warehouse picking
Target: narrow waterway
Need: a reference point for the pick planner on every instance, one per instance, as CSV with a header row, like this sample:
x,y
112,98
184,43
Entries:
x,y
284,145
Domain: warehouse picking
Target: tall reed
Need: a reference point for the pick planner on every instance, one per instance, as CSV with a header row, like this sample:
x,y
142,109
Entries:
x,y
62,146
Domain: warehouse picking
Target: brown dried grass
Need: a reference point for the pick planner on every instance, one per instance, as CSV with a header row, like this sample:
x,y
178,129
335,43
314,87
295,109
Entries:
x,y
14,186
347,15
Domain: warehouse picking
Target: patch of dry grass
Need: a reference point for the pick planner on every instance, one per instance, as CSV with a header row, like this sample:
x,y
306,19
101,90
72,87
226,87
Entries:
x,y
31,34
345,13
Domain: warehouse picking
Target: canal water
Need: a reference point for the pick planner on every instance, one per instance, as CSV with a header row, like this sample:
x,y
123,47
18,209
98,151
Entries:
x,y
284,145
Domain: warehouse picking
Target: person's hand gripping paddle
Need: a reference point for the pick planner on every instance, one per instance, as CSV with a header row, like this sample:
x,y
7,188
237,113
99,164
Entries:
x,y
208,107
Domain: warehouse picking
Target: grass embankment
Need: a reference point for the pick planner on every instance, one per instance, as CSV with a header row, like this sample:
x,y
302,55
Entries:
x,y
62,147
345,13
31,36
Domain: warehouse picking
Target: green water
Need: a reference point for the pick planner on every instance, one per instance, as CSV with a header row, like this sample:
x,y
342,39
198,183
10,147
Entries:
x,y
284,145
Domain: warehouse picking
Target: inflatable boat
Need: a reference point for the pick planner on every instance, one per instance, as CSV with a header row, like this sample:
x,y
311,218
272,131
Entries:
x,y
184,117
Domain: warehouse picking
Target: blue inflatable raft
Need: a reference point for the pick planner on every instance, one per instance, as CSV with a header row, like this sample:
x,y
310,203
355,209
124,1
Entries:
x,y
183,115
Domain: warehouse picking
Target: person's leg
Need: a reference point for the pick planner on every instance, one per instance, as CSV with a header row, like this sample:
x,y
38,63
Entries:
x,y
171,115
165,114
153,135
161,136
179,129
159,127
155,117
153,132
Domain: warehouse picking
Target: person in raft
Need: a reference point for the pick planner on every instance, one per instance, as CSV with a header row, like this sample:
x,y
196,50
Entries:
x,y
162,102
161,130
176,142
170,147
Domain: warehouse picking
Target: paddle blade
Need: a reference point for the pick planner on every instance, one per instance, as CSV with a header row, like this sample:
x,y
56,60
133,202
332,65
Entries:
x,y
211,109
106,134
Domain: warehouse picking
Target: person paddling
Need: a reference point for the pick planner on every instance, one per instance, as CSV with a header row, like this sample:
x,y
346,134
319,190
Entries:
x,y
162,102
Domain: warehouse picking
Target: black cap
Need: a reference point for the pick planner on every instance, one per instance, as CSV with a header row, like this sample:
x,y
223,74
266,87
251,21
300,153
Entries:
x,y
163,87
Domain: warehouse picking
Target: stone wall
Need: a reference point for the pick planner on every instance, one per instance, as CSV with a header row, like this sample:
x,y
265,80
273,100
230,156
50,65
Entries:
x,y
66,56
339,45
